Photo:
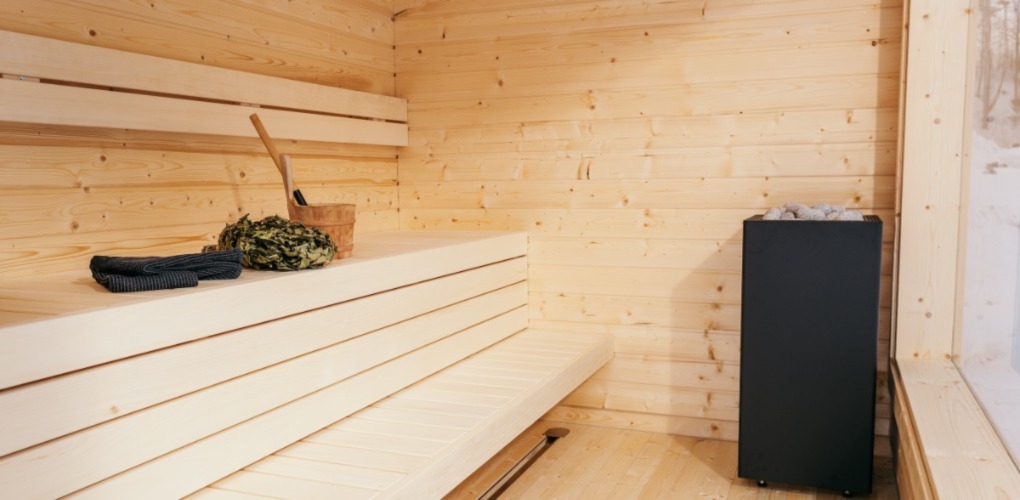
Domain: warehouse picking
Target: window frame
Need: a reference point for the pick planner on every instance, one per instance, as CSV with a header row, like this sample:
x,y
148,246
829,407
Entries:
x,y
946,446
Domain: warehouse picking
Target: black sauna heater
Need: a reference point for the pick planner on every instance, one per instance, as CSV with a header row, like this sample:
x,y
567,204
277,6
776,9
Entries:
x,y
809,340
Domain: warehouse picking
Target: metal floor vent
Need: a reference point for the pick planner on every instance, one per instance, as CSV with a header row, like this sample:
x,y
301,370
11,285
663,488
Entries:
x,y
548,438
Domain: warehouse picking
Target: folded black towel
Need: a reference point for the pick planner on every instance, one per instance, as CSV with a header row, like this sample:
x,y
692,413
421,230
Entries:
x,y
118,283
137,274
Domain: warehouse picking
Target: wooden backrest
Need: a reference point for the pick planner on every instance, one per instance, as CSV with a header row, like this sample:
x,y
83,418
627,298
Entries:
x,y
54,82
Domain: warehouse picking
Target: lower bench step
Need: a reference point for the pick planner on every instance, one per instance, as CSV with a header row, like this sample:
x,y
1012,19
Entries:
x,y
424,440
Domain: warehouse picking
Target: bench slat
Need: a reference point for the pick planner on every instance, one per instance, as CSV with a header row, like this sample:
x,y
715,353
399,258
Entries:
x,y
216,494
347,475
398,417
49,104
274,486
346,455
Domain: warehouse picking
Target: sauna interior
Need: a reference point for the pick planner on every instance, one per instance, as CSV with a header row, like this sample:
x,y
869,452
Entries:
x,y
549,206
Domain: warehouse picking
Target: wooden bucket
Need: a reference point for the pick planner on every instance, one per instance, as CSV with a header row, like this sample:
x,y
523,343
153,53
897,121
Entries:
x,y
335,219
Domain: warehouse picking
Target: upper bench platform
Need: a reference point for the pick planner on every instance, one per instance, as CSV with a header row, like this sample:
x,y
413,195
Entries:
x,y
62,322
158,394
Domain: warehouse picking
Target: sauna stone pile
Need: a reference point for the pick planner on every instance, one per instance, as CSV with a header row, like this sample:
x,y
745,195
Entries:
x,y
822,211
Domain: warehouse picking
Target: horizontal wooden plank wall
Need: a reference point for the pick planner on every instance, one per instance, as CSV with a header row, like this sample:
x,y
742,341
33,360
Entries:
x,y
630,139
67,193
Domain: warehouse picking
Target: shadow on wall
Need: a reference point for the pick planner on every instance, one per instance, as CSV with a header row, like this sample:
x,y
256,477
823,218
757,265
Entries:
x,y
884,391
704,365
885,122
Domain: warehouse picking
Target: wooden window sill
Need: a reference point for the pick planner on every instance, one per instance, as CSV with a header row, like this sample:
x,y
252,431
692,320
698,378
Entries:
x,y
962,455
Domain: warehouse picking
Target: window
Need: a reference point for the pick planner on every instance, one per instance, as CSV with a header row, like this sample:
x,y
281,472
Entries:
x,y
989,341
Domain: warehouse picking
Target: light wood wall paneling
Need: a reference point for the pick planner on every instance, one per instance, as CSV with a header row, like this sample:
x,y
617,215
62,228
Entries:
x,y
826,128
228,36
721,193
433,8
259,26
822,93
703,345
366,19
737,161
657,71
34,167
663,312
685,426
343,47
50,254
35,256
645,421
658,399
642,158
863,24
659,370
626,310
456,22
671,401
704,255
652,223
678,284
42,212
630,140
640,386
681,344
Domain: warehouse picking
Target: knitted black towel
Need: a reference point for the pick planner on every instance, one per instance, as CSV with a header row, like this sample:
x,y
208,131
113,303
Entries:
x,y
137,274
118,283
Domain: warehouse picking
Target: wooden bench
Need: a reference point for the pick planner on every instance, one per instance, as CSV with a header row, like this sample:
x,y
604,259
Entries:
x,y
295,378
289,376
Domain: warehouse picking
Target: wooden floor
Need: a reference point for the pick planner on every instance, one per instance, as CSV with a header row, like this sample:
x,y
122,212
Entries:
x,y
594,463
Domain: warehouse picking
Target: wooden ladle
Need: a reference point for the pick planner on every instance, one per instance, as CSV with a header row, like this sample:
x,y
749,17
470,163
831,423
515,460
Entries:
x,y
282,162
